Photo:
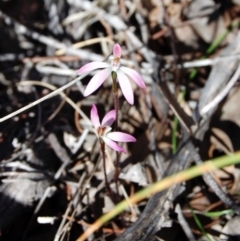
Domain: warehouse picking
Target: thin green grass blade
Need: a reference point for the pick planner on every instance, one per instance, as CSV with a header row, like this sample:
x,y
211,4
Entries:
x,y
217,213
161,185
197,221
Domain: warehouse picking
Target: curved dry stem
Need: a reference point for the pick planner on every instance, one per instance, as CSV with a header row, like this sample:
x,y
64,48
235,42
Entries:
x,y
55,92
86,43
222,94
64,96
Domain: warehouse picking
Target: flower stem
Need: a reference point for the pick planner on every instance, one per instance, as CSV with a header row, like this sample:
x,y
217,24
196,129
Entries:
x,y
116,106
105,171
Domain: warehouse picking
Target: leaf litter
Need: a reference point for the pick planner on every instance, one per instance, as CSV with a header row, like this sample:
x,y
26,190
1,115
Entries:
x,y
51,167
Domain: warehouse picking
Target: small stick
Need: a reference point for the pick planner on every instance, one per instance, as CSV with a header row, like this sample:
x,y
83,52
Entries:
x,y
221,95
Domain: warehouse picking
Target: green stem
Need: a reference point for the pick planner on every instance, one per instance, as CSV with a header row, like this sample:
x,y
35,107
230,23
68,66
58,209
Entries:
x,y
199,224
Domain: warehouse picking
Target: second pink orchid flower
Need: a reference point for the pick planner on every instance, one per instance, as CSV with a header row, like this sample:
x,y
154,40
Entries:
x,y
103,130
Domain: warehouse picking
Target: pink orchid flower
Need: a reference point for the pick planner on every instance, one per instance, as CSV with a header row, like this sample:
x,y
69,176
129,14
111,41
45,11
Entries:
x,y
103,130
115,66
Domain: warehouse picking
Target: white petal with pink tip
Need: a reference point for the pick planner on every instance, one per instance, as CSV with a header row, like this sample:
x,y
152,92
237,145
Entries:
x,y
125,86
109,118
134,75
112,144
120,136
95,117
96,81
92,66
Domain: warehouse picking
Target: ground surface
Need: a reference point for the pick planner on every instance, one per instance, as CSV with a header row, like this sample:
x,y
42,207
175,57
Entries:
x,y
52,184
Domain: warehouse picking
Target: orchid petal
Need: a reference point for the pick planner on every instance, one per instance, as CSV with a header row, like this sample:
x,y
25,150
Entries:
x,y
113,145
95,117
92,66
117,51
109,118
134,75
120,136
96,81
125,86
